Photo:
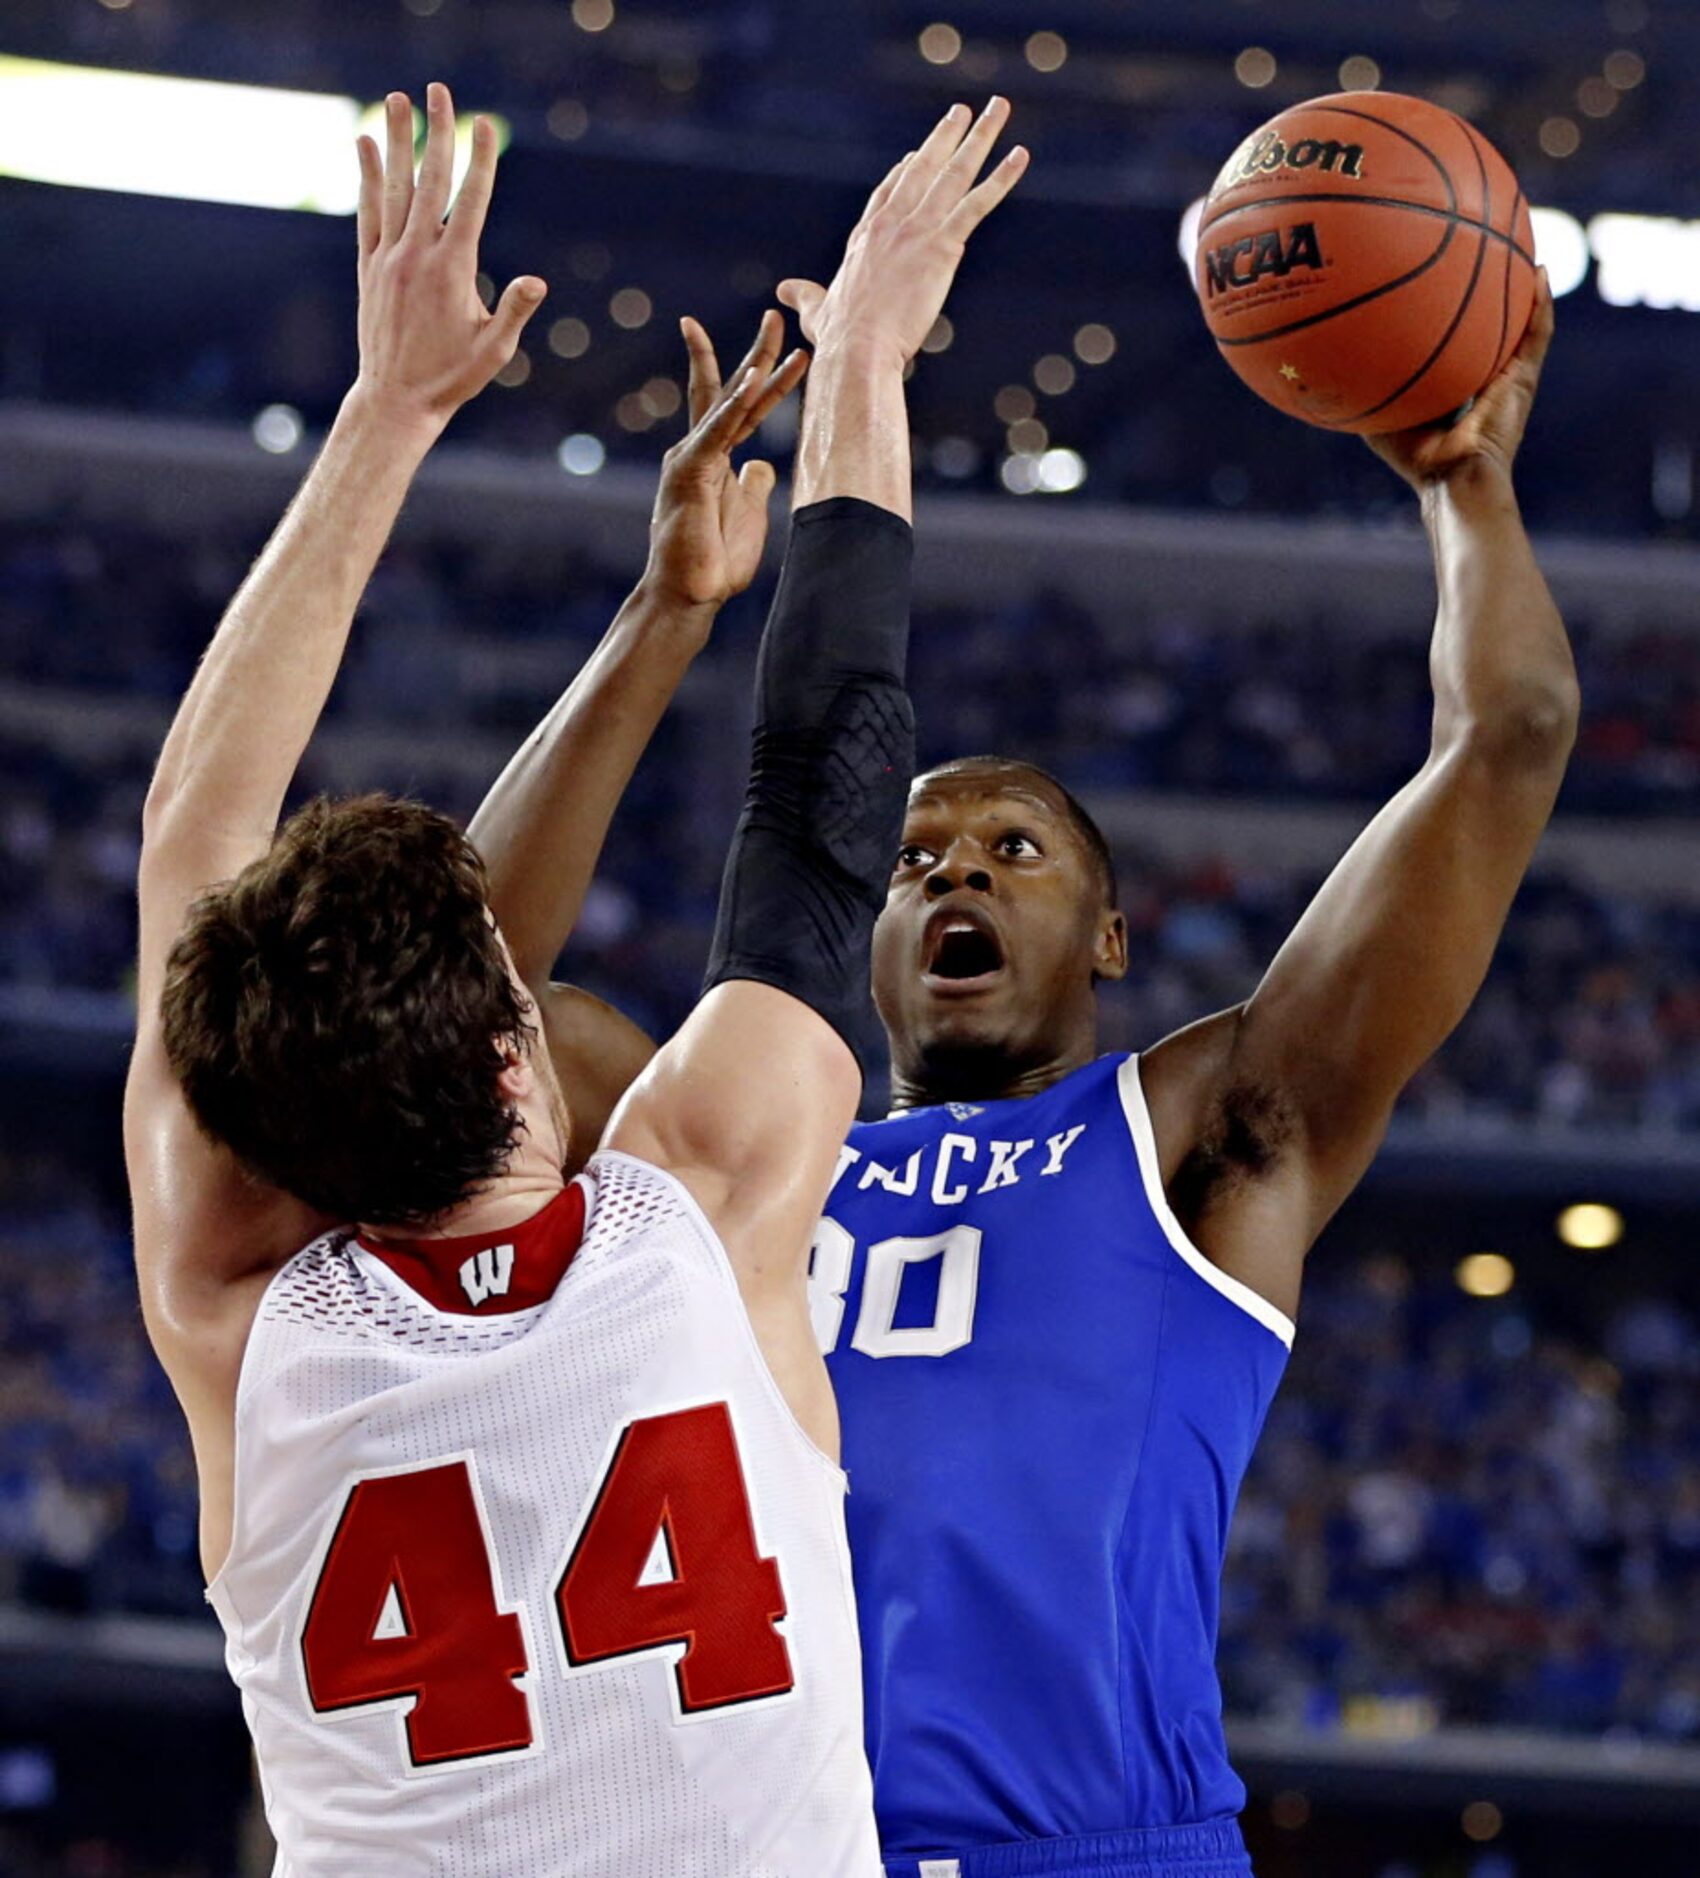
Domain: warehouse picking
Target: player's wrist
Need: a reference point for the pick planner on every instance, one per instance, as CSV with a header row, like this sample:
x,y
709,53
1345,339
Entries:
x,y
662,609
386,413
1477,487
858,349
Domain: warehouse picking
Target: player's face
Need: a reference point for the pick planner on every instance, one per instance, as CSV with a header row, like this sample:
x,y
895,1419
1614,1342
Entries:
x,y
994,925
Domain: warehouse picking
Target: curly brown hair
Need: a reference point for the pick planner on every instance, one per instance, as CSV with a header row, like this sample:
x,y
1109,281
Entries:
x,y
334,1014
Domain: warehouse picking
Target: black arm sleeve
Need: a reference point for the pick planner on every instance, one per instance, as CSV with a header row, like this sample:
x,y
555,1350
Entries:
x,y
831,761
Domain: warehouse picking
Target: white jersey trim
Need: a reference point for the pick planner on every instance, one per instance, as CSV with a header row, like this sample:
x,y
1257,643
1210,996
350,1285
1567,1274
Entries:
x,y
1277,1322
723,1259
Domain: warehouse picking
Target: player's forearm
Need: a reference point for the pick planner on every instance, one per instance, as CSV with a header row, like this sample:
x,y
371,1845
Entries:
x,y
245,721
832,752
542,826
1501,663
854,439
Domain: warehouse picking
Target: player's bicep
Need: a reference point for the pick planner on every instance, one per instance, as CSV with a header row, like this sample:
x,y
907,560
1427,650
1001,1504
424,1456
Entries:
x,y
748,1106
1390,953
179,863
206,1233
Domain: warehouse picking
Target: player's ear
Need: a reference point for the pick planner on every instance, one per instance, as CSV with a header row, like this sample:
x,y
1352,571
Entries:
x,y
1109,946
515,1077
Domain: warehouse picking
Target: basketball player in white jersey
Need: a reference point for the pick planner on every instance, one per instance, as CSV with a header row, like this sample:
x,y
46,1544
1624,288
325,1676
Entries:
x,y
520,1503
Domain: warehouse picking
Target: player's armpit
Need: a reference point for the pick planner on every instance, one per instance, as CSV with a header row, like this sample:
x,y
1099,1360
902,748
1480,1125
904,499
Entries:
x,y
1225,1149
597,1053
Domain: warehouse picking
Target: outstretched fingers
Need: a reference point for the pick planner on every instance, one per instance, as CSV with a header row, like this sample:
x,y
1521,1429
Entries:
x,y
764,348
520,299
940,145
398,165
715,432
436,168
740,410
775,389
956,176
979,202
466,218
369,218
705,386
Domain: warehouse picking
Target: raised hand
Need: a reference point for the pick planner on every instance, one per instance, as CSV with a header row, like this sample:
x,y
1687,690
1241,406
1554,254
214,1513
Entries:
x,y
427,341
903,254
1488,434
710,524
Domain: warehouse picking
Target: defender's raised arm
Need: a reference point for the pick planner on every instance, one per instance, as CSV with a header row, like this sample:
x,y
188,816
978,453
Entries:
x,y
749,1103
427,345
207,1234
542,826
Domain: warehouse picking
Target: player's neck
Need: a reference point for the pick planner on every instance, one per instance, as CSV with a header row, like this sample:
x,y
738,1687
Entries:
x,y
984,1073
528,1185
507,1203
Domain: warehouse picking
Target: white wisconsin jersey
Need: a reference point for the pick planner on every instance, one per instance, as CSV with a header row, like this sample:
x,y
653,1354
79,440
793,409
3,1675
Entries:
x,y
561,1590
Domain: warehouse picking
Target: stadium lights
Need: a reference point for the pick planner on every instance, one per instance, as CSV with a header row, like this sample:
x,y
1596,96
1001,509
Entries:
x,y
1485,1275
87,128
940,43
1054,375
1255,67
1561,247
1590,1226
581,454
1061,471
1647,260
278,429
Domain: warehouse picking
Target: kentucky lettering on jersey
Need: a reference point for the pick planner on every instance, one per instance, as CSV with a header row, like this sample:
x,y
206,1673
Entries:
x,y
1049,1397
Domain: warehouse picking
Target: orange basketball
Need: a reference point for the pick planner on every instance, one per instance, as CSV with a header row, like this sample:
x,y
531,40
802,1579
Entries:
x,y
1365,261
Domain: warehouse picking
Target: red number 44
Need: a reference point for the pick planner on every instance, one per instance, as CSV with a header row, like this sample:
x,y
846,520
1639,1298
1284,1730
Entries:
x,y
406,1608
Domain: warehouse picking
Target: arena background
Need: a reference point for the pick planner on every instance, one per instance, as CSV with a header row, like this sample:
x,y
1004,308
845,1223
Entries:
x,y
1462,1621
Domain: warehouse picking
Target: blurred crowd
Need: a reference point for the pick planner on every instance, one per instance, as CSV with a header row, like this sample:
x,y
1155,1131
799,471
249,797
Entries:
x,y
97,1490
1458,1514
1310,708
1460,1510
1314,707
1591,1015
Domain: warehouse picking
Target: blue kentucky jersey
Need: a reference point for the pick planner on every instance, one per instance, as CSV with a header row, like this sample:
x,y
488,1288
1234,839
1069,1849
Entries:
x,y
1049,1397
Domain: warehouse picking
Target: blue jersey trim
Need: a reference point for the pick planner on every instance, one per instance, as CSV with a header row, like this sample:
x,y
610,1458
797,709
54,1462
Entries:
x,y
1277,1322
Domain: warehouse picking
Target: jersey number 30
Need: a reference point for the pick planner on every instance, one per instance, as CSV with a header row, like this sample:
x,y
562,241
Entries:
x,y
406,1610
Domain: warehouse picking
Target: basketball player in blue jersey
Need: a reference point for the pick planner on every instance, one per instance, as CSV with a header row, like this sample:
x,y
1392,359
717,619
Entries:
x,y
1057,1289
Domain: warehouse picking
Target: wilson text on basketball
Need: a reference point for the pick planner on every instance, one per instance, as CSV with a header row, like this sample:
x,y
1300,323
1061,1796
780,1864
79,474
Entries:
x,y
1267,152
